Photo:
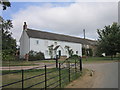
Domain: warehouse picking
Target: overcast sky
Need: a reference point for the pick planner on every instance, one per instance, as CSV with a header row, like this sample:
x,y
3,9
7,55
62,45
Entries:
x,y
63,18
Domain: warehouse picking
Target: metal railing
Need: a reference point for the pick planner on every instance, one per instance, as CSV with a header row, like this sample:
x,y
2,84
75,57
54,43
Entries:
x,y
48,78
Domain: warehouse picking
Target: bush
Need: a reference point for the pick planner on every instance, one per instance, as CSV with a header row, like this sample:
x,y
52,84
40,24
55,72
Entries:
x,y
85,52
118,56
74,57
6,55
33,56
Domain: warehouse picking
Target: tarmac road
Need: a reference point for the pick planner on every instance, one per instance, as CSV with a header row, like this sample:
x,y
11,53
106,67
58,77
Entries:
x,y
106,74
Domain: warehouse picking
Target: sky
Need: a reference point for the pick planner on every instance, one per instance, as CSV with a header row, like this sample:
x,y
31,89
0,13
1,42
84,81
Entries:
x,y
69,18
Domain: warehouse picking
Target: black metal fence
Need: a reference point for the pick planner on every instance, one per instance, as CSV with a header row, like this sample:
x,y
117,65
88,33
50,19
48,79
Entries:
x,y
47,77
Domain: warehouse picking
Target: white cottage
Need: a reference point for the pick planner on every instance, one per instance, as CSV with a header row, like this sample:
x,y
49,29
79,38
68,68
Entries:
x,y
50,44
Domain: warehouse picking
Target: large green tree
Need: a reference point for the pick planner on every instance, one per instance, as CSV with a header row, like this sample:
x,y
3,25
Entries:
x,y
8,42
109,39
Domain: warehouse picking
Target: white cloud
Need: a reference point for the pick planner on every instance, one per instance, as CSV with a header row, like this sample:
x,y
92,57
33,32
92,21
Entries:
x,y
69,20
64,0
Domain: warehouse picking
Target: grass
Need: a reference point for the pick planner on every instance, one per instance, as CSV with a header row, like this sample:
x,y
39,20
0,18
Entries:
x,y
8,78
98,60
25,63
35,63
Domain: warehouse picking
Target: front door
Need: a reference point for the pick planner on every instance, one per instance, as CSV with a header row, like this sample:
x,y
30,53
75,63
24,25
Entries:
x,y
59,52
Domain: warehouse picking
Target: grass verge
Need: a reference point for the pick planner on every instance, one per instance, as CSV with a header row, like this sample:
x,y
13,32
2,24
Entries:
x,y
53,78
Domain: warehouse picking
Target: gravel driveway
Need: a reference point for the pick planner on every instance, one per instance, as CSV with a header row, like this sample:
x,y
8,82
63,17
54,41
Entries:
x,y
105,76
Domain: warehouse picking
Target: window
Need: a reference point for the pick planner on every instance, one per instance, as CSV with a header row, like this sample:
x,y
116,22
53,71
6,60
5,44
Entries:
x,y
76,52
55,43
37,42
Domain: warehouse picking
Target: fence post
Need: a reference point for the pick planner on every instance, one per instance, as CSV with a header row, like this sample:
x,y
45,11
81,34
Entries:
x,y
22,79
59,75
45,77
80,64
56,61
69,70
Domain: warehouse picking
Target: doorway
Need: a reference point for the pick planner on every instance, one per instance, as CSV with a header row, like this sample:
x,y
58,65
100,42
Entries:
x,y
59,53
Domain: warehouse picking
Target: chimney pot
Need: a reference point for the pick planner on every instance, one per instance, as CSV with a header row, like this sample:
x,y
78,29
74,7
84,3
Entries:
x,y
25,26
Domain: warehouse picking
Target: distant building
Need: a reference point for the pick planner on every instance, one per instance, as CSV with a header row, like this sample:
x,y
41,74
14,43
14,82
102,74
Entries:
x,y
51,44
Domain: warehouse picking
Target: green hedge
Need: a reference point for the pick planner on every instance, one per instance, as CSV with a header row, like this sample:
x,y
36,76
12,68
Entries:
x,y
33,56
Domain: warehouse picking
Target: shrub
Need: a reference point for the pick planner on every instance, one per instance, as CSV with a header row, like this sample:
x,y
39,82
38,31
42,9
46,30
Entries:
x,y
6,55
118,55
74,57
36,56
85,52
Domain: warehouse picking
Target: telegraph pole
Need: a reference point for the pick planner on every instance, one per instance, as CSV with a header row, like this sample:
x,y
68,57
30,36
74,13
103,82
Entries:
x,y
84,44
84,33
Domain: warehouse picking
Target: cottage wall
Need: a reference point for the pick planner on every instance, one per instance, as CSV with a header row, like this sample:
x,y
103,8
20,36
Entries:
x,y
24,44
42,45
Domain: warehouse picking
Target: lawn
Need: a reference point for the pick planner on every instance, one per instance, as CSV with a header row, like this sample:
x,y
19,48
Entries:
x,y
36,63
25,63
12,77
98,60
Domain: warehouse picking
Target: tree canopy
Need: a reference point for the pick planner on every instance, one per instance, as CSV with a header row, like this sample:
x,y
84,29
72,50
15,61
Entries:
x,y
109,39
8,42
5,4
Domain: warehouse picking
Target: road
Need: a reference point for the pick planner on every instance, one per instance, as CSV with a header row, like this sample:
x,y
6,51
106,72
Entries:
x,y
105,75
38,66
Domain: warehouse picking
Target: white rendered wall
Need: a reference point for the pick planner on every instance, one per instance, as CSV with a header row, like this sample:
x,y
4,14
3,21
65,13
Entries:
x,y
24,44
42,45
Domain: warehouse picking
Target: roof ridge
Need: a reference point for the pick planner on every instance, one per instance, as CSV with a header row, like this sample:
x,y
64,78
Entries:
x,y
54,36
55,33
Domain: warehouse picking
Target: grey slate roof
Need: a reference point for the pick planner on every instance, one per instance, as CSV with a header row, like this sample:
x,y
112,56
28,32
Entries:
x,y
59,37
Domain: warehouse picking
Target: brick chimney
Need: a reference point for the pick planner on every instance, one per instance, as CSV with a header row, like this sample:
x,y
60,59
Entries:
x,y
25,26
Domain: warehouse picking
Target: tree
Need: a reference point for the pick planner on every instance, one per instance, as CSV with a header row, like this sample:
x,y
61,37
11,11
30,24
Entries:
x,y
8,42
109,39
5,4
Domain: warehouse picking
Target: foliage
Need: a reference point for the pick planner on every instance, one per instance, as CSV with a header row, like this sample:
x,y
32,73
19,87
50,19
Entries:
x,y
74,57
5,4
7,56
90,52
36,56
109,39
8,42
118,55
70,51
85,52
51,50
